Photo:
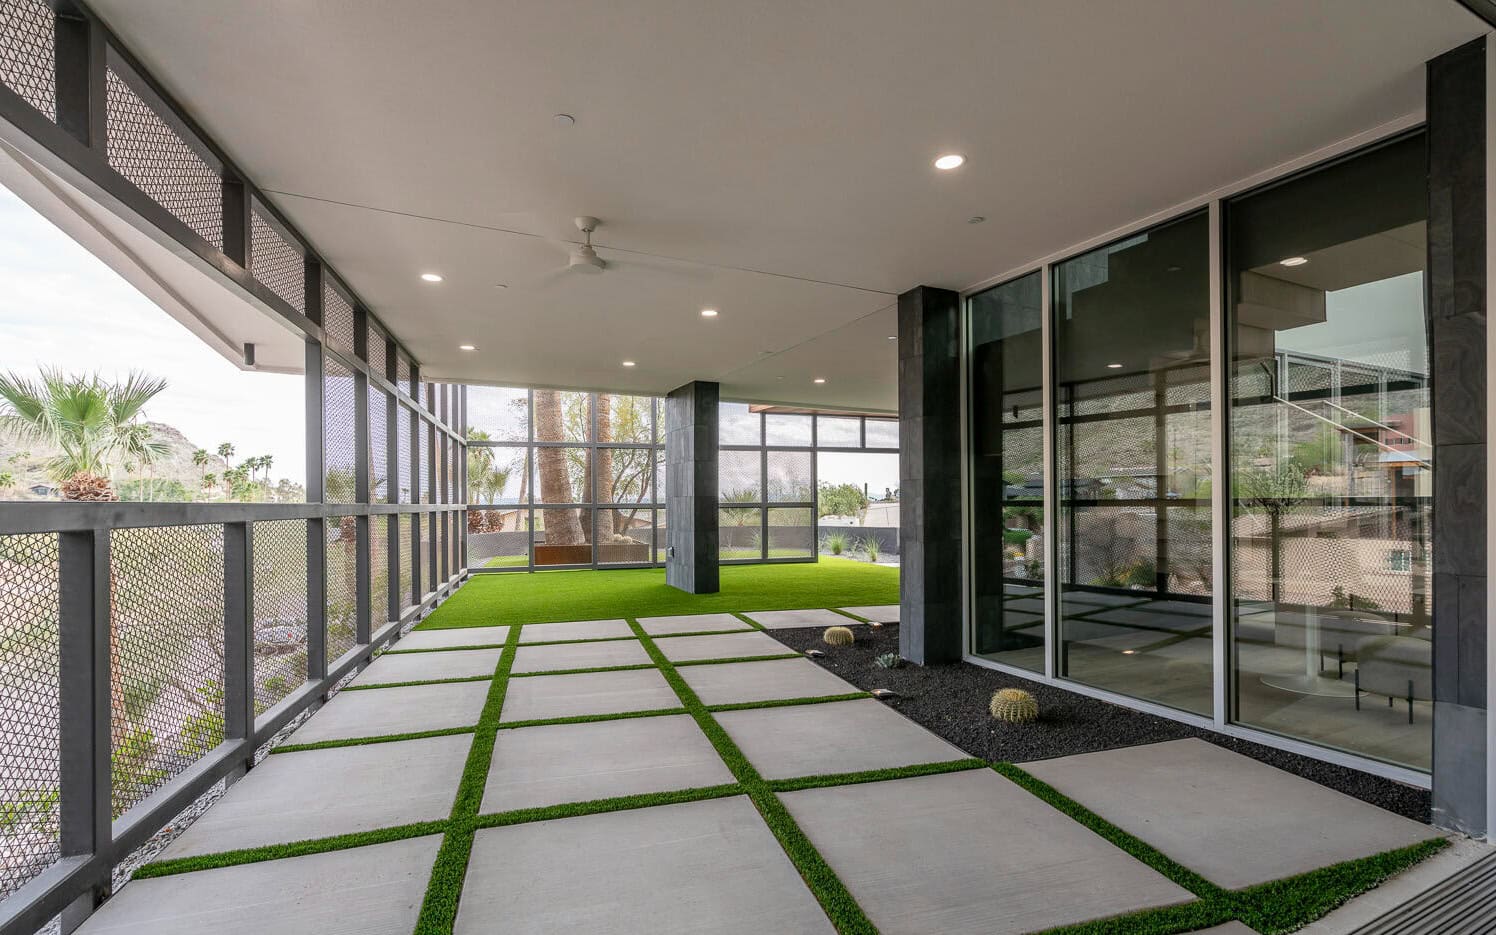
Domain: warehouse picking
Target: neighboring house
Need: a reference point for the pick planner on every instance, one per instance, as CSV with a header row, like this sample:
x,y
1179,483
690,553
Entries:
x,y
44,490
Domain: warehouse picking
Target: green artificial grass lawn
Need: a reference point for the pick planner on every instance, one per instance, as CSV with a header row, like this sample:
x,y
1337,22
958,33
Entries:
x,y
507,561
551,596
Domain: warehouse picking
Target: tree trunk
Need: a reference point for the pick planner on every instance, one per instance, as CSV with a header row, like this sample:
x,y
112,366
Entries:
x,y
604,468
562,526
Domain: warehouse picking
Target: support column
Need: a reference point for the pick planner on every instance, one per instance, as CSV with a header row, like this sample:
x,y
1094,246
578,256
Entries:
x,y
691,488
929,475
1457,325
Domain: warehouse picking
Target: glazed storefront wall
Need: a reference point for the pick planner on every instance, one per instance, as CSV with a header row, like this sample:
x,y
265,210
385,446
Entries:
x,y
1200,461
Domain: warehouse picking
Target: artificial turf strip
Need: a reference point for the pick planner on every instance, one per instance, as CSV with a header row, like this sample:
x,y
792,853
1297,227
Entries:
x,y
361,741
767,657
824,884
874,775
599,806
787,702
439,908
583,671
557,596
441,649
590,718
249,855
462,678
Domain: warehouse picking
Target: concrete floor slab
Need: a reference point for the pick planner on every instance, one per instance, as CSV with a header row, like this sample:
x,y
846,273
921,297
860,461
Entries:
x,y
773,680
1230,818
321,793
880,613
458,636
535,766
838,737
698,868
579,656
429,667
374,890
791,619
406,710
586,693
721,646
692,623
967,853
575,630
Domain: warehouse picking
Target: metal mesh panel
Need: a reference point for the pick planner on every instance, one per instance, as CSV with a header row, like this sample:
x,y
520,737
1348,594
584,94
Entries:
x,y
498,538
791,478
838,432
737,426
740,533
561,475
623,536
28,53
379,473
881,433
146,150
402,485
428,538
791,534
402,371
279,609
342,585
379,571
277,264
337,318
29,774
338,451
740,476
787,430
375,349
423,463
623,475
498,414
167,643
405,565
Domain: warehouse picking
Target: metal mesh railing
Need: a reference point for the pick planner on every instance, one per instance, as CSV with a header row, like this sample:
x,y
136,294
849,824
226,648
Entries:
x,y
145,149
337,319
791,532
30,778
379,572
167,644
277,264
428,582
402,372
379,472
740,476
423,462
338,417
402,543
28,53
791,477
403,487
374,349
342,586
280,610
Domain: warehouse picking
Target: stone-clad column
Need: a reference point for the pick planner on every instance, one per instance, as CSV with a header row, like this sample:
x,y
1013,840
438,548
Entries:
x,y
691,488
929,475
1457,111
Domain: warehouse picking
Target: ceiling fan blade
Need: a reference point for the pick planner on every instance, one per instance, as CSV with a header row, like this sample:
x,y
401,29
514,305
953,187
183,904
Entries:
x,y
677,269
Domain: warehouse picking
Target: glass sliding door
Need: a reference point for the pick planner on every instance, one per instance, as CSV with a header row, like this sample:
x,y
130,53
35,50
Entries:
x,y
1132,460
1007,473
1330,451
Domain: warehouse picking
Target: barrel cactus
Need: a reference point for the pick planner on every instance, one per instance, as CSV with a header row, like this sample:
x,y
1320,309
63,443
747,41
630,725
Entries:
x,y
838,636
1013,705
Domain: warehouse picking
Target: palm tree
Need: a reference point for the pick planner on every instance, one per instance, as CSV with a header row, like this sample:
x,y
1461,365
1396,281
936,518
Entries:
x,y
265,462
94,423
562,526
225,451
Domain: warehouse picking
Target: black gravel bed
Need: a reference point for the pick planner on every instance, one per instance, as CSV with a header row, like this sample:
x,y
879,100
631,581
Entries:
x,y
951,700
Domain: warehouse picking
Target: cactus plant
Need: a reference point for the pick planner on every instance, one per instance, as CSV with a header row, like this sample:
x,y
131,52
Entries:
x,y
888,661
838,636
1013,705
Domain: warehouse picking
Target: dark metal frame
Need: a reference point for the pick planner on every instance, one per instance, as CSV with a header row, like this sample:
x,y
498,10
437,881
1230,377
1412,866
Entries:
x,y
75,148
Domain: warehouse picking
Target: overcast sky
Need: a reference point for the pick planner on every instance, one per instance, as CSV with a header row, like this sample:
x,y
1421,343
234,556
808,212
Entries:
x,y
62,307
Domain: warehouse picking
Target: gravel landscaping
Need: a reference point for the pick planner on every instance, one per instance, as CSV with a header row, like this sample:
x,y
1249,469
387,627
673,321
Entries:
x,y
951,700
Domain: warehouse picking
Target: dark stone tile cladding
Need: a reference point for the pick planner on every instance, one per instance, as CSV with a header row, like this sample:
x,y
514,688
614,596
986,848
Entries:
x,y
1457,273
930,474
691,487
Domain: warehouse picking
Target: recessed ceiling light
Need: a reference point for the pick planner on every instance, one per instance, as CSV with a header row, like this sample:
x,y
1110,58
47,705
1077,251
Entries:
x,y
431,277
1295,261
1114,366
628,363
893,337
708,313
820,379
563,120
950,161
466,347
975,219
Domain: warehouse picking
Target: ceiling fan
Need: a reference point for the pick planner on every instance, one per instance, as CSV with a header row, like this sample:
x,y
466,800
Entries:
x,y
583,258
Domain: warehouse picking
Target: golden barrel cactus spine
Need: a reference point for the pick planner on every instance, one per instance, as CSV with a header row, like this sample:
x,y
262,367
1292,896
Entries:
x,y
1013,705
838,636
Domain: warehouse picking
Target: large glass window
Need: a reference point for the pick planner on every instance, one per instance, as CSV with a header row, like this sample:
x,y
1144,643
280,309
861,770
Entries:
x,y
1007,437
1331,451
1132,458
766,484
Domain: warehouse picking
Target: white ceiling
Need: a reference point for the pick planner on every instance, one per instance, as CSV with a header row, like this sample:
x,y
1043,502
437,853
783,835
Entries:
x,y
774,156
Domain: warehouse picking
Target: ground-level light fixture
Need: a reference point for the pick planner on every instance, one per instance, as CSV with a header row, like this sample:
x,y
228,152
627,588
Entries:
x,y
1114,366
1294,261
708,313
950,161
466,347
431,277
